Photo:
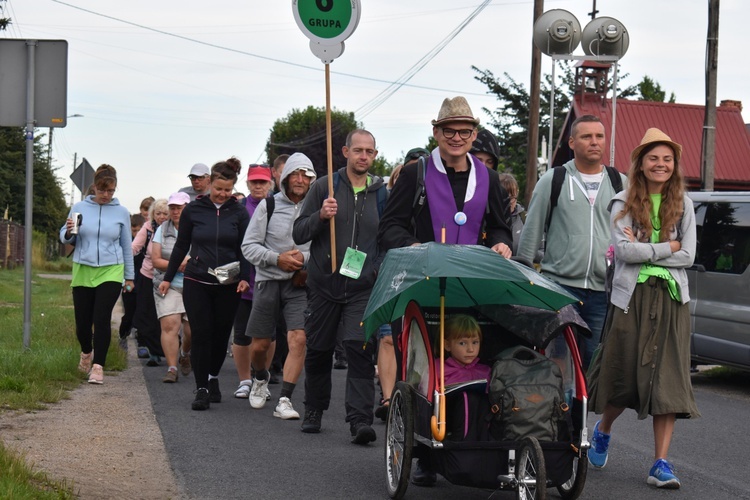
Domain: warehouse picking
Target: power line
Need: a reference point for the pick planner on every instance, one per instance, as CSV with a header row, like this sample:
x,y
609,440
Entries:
x,y
258,56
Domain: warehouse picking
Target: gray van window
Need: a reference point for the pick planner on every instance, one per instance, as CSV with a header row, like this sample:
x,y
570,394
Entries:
x,y
723,236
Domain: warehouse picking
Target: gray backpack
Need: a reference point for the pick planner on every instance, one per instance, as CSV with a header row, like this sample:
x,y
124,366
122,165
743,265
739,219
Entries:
x,y
526,397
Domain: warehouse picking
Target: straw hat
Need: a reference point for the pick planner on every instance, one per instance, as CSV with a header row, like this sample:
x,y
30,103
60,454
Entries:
x,y
455,110
654,135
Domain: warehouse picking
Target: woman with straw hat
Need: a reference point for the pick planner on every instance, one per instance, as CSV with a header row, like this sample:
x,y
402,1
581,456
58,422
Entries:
x,y
645,359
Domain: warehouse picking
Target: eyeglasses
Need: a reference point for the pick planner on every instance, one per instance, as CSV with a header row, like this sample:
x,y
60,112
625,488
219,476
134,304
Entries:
x,y
464,133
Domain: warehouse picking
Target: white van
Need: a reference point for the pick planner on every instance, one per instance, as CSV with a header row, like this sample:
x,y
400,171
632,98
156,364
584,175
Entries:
x,y
720,280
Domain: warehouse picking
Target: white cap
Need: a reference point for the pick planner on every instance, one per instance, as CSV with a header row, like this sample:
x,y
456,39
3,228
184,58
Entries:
x,y
200,170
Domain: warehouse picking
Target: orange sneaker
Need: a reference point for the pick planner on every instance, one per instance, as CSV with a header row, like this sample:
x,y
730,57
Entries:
x,y
97,375
84,365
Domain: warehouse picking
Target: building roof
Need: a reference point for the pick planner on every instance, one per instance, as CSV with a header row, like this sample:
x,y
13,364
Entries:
x,y
683,123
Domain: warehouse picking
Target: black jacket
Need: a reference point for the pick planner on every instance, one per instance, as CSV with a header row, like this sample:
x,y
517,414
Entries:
x,y
396,229
309,227
213,236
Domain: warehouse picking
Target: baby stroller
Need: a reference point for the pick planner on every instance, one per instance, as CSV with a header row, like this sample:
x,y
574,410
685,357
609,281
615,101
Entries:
x,y
515,307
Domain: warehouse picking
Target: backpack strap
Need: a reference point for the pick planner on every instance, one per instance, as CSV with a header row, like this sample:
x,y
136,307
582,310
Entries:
x,y
270,205
614,178
558,178
420,194
382,193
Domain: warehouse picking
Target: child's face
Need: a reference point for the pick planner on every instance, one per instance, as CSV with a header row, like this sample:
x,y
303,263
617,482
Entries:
x,y
134,229
464,350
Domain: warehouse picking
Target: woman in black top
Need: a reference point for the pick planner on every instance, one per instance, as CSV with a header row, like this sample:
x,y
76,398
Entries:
x,y
211,229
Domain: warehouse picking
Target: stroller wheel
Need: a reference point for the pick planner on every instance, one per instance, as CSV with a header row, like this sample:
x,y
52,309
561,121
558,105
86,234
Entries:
x,y
573,487
399,440
531,472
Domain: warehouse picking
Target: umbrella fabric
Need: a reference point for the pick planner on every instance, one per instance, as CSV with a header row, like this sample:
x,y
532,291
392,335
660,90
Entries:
x,y
536,326
474,275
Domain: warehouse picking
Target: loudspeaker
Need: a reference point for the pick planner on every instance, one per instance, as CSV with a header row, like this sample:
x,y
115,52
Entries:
x,y
557,31
605,36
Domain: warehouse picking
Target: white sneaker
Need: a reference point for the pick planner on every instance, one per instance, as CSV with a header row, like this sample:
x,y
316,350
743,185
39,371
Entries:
x,y
268,394
285,411
258,394
243,391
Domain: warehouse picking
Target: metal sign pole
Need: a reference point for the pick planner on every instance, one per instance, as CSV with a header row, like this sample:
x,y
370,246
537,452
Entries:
x,y
31,52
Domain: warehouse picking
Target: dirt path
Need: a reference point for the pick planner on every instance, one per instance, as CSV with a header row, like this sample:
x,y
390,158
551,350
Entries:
x,y
104,439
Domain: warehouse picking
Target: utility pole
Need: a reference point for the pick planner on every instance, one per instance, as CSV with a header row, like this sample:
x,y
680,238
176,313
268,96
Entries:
x,y
532,140
708,144
593,12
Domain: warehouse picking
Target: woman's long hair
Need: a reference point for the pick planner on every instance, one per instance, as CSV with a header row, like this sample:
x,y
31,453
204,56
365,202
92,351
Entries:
x,y
638,202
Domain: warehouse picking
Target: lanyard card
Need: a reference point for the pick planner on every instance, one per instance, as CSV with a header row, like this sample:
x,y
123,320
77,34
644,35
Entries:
x,y
354,261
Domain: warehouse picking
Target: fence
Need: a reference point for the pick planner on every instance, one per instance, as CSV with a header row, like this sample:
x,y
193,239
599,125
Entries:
x,y
11,244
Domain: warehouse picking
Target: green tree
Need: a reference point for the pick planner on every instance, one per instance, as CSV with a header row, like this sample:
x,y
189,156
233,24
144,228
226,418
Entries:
x,y
304,131
49,207
650,90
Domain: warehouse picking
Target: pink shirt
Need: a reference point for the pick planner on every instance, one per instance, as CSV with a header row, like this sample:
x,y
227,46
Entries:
x,y
147,269
455,372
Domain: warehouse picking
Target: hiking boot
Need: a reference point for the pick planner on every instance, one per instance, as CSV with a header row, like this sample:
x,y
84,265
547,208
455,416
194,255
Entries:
x,y
153,360
97,375
243,391
362,433
202,400
599,448
214,394
258,395
170,377
662,475
143,352
285,411
311,423
423,475
185,366
340,364
84,364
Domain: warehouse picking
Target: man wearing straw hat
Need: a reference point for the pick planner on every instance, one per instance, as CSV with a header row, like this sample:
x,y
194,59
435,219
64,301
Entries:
x,y
577,231
340,297
462,198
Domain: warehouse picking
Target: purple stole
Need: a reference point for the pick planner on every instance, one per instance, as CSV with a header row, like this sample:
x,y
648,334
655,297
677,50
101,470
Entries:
x,y
443,206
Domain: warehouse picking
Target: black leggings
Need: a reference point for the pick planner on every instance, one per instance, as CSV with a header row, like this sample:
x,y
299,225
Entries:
x,y
211,309
94,306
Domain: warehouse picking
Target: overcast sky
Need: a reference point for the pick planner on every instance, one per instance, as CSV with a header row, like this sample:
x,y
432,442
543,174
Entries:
x,y
165,84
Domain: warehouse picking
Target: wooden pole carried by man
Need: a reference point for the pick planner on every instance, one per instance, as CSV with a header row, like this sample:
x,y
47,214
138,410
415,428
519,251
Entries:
x,y
327,23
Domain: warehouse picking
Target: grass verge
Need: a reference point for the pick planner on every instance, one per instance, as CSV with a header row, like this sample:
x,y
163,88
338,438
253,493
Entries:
x,y
32,378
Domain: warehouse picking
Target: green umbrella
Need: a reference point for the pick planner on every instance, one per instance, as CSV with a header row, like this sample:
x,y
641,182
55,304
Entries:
x,y
473,275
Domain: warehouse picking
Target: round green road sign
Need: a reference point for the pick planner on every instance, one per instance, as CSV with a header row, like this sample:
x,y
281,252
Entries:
x,y
327,21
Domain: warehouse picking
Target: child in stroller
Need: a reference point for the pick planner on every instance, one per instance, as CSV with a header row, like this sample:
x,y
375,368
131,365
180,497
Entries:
x,y
463,337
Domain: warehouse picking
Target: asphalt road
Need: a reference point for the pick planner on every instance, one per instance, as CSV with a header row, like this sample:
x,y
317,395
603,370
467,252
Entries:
x,y
234,451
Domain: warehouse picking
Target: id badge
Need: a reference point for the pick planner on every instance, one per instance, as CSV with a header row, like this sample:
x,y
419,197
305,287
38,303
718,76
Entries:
x,y
354,261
